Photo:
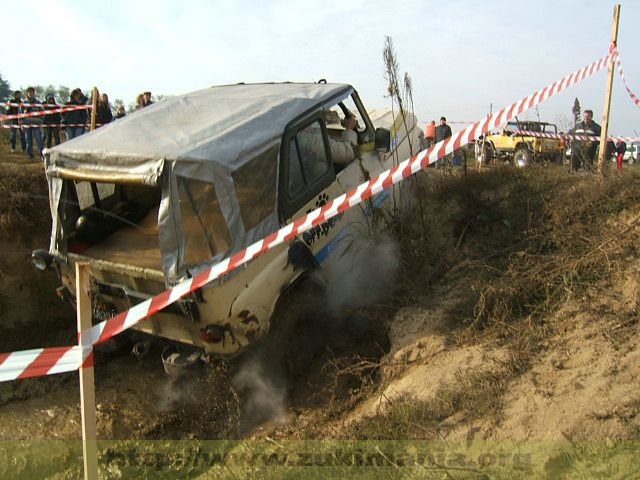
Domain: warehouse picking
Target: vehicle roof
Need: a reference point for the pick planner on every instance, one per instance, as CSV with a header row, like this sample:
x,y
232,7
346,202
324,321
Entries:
x,y
221,126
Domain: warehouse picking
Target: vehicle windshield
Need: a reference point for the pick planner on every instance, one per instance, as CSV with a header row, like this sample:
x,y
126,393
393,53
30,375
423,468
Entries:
x,y
336,114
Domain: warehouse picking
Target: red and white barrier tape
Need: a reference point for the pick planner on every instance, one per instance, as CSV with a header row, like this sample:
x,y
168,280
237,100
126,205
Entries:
x,y
45,125
633,96
40,113
571,136
26,104
19,365
44,361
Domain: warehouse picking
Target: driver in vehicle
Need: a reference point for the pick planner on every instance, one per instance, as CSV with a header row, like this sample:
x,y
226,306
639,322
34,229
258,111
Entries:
x,y
344,151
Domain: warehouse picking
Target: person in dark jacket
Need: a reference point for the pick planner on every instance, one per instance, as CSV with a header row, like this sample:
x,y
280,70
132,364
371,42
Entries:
x,y
32,104
583,152
15,110
104,115
76,119
52,122
443,130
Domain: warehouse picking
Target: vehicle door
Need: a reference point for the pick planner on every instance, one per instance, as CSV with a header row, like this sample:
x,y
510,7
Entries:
x,y
308,181
550,145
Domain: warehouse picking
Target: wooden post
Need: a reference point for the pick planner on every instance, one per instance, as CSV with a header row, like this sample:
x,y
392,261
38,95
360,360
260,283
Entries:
x,y
607,95
94,110
87,386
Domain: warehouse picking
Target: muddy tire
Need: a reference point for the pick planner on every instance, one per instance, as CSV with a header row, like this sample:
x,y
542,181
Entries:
x,y
522,157
296,330
558,159
487,153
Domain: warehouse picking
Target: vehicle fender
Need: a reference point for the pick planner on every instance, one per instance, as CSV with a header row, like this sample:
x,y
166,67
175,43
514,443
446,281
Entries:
x,y
523,144
258,299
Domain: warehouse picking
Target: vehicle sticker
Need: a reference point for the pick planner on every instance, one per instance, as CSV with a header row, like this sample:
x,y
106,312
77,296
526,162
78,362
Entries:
x,y
315,233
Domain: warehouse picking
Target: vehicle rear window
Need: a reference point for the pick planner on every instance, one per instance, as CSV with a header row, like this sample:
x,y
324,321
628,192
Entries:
x,y
86,198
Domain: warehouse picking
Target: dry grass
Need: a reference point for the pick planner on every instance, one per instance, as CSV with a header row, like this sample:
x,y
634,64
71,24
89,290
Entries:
x,y
24,200
476,395
511,247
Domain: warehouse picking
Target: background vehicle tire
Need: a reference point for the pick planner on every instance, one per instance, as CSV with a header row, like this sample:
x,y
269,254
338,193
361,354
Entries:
x,y
487,153
522,157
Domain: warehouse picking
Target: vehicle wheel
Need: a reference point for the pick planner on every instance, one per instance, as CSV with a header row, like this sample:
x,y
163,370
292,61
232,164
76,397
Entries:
x,y
522,157
487,153
296,331
557,159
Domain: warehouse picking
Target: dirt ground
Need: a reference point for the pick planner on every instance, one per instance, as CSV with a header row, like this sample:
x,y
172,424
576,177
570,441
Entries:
x,y
514,319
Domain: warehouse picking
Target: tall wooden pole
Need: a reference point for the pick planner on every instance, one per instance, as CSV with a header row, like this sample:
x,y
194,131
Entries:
x,y
87,384
94,109
607,96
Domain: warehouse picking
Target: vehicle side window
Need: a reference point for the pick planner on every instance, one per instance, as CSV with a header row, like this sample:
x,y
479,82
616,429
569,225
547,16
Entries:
x,y
308,167
205,230
307,156
296,178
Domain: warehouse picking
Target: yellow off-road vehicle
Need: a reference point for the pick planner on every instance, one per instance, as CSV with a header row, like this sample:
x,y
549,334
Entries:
x,y
521,149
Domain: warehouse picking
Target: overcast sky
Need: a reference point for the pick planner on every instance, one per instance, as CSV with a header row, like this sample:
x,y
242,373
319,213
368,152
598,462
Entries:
x,y
462,55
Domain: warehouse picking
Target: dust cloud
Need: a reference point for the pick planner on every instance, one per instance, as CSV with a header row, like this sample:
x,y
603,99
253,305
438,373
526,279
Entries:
x,y
262,388
361,273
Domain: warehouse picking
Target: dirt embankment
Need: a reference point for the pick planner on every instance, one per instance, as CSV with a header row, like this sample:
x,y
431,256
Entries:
x,y
514,316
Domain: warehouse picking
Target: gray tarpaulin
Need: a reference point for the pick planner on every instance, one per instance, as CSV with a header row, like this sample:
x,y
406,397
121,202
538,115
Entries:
x,y
206,136
223,125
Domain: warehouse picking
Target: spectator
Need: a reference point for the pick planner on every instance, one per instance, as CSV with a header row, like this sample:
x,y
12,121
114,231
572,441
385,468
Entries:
x,y
443,130
120,113
34,123
52,122
104,115
621,148
147,99
583,152
430,134
76,119
140,101
15,110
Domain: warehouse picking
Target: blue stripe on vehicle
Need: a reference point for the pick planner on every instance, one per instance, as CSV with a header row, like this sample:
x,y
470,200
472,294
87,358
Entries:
x,y
330,247
378,200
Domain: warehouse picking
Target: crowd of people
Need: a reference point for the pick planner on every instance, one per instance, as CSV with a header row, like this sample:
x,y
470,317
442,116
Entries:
x,y
74,123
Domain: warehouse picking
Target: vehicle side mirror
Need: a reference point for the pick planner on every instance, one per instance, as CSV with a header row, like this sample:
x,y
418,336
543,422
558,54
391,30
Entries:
x,y
383,139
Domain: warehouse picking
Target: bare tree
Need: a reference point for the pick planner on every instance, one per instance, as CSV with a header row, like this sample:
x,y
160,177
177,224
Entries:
x,y
396,93
576,111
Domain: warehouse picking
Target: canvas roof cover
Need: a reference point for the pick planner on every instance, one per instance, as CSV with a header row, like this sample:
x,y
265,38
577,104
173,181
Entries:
x,y
216,128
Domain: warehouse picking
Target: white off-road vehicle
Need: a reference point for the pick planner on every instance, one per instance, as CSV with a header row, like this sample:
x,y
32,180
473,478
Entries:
x,y
161,194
